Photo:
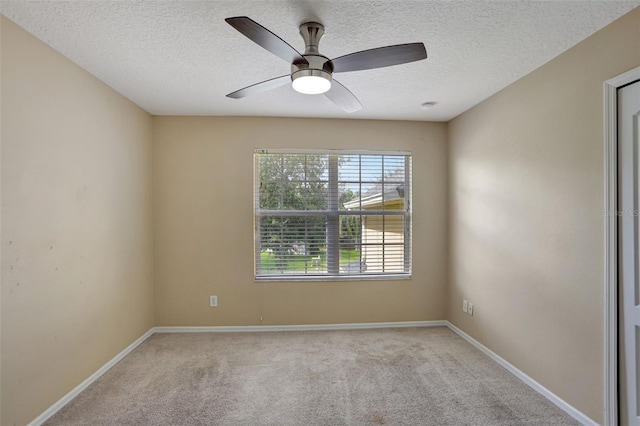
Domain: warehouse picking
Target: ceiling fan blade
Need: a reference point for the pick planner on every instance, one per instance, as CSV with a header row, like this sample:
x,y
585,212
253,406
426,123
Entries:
x,y
342,97
379,57
260,87
266,39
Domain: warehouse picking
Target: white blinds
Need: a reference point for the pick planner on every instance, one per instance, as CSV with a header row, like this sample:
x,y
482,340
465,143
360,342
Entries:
x,y
332,214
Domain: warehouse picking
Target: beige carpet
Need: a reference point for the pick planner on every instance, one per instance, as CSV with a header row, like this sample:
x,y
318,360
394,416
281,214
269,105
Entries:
x,y
416,376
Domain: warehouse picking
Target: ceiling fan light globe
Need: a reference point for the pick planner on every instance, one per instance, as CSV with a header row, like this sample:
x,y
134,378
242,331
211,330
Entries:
x,y
311,83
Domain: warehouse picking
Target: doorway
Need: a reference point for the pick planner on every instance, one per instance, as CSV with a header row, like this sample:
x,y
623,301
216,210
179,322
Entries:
x,y
622,333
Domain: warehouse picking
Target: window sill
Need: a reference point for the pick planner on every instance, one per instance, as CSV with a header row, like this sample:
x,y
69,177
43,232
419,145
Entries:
x,y
330,278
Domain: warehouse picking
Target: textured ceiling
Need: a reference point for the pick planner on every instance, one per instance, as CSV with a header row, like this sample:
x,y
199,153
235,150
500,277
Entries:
x,y
181,58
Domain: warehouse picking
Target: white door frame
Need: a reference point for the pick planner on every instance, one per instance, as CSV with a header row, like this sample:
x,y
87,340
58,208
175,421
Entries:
x,y
611,242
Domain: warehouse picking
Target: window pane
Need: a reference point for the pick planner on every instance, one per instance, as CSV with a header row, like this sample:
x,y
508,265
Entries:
x,y
316,196
394,258
371,168
394,166
269,196
393,196
383,243
292,245
350,237
316,168
349,168
292,182
293,168
349,196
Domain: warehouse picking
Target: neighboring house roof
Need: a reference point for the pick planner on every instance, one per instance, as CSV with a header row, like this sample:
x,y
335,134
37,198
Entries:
x,y
374,196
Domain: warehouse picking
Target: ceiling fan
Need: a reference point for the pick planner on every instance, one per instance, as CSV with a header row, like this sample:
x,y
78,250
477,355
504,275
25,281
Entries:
x,y
312,72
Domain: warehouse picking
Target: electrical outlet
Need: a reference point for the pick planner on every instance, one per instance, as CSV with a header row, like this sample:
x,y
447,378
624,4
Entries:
x,y
465,306
470,309
213,301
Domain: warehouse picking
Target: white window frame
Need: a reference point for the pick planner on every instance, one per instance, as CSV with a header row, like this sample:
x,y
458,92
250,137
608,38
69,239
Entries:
x,y
333,214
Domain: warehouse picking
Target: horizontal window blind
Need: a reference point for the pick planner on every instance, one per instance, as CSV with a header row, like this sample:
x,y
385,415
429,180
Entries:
x,y
332,214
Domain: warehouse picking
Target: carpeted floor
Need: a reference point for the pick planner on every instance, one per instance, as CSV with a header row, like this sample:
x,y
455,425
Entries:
x,y
410,376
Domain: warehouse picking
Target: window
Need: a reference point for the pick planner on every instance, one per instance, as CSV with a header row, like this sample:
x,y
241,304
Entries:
x,y
332,214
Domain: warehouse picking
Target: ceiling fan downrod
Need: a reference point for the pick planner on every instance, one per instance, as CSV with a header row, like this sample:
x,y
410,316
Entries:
x,y
311,33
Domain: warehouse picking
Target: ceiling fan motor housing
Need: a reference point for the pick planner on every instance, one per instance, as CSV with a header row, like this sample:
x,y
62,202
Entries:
x,y
317,65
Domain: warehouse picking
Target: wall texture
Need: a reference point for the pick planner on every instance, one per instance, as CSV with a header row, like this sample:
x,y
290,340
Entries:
x,y
76,221
527,217
203,213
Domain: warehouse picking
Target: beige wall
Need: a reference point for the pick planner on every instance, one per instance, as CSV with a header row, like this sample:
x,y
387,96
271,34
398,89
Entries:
x,y
76,225
527,217
203,212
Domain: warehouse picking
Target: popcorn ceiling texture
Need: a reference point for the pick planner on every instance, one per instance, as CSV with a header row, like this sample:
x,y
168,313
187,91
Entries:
x,y
181,58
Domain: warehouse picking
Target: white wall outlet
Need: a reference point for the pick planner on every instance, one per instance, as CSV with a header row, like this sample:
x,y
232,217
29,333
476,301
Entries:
x,y
464,306
470,309
213,301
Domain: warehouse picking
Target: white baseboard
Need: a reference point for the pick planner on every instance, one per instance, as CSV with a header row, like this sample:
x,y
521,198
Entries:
x,y
88,381
303,327
556,400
